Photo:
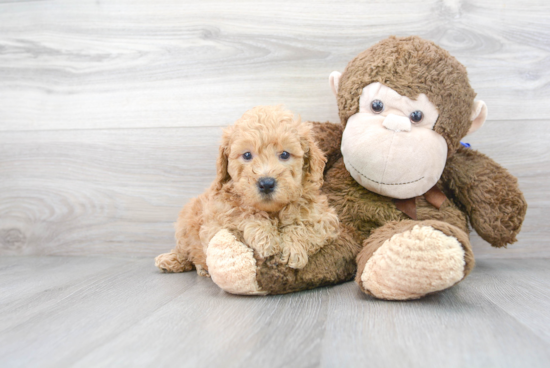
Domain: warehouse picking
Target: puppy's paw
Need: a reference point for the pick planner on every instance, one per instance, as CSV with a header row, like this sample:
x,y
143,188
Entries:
x,y
232,265
263,237
201,271
173,262
266,249
295,256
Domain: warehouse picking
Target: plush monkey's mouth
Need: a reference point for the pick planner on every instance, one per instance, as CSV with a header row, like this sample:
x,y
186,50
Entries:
x,y
379,182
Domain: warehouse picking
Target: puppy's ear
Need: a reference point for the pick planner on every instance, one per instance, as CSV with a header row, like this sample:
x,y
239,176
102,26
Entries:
x,y
222,176
314,159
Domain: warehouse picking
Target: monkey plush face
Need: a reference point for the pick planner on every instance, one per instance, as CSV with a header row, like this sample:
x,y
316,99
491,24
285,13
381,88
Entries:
x,y
405,104
394,131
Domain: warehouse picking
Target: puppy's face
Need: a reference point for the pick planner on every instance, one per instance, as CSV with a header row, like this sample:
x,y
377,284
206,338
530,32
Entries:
x,y
268,157
267,169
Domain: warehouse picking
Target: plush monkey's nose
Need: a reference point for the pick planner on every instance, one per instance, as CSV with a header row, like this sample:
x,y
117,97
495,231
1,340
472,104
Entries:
x,y
397,123
266,185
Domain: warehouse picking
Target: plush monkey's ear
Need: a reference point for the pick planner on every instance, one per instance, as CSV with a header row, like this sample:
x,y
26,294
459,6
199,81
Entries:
x,y
334,81
314,159
479,114
222,176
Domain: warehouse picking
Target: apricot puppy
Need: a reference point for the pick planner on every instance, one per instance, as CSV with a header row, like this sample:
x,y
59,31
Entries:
x,y
266,194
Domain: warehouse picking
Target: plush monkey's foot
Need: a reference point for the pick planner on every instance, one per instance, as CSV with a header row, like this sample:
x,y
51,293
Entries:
x,y
232,265
413,263
173,262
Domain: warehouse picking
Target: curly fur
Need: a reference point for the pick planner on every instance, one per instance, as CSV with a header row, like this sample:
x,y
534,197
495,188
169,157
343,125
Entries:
x,y
294,222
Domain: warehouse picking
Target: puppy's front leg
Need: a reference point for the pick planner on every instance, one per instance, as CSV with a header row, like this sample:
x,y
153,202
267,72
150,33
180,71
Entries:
x,y
263,236
294,246
299,241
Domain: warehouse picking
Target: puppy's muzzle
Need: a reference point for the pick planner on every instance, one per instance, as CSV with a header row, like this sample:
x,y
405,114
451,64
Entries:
x,y
266,185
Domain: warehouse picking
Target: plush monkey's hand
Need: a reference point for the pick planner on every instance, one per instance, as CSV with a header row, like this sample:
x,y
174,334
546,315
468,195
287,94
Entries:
x,y
489,194
328,137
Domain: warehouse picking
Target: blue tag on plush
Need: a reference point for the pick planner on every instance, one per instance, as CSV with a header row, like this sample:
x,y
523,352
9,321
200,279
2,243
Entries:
x,y
467,145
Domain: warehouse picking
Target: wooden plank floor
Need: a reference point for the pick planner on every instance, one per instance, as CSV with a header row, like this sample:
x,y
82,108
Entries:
x,y
114,312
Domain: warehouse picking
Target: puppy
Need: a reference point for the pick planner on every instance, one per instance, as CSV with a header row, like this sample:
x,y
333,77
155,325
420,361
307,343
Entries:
x,y
266,193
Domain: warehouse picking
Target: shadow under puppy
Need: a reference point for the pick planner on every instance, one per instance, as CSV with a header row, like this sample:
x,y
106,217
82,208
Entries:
x,y
265,203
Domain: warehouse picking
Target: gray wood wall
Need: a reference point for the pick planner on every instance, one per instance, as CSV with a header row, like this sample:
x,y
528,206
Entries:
x,y
111,111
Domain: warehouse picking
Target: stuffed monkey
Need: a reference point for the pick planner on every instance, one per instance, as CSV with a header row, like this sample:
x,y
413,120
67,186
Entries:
x,y
402,184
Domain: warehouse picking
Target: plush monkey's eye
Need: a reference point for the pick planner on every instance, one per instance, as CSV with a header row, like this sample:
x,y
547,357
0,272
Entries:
x,y
416,116
247,156
377,106
284,156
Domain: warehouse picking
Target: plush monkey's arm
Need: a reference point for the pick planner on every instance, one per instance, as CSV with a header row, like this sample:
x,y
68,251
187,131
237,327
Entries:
x,y
489,193
328,137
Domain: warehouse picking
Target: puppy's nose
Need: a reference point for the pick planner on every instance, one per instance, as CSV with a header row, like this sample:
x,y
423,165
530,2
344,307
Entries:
x,y
266,185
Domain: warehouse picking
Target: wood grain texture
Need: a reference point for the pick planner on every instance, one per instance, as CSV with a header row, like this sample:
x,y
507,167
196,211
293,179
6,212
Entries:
x,y
126,313
112,64
117,192
100,192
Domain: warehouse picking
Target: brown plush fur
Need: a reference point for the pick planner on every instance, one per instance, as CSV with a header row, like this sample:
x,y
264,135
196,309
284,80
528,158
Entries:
x,y
488,194
333,264
477,188
289,225
329,138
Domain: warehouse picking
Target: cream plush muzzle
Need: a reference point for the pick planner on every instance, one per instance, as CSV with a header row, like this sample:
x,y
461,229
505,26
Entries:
x,y
416,156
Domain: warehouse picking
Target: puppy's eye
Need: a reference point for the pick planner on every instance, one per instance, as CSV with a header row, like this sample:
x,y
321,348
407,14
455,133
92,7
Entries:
x,y
284,156
416,116
377,106
247,156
